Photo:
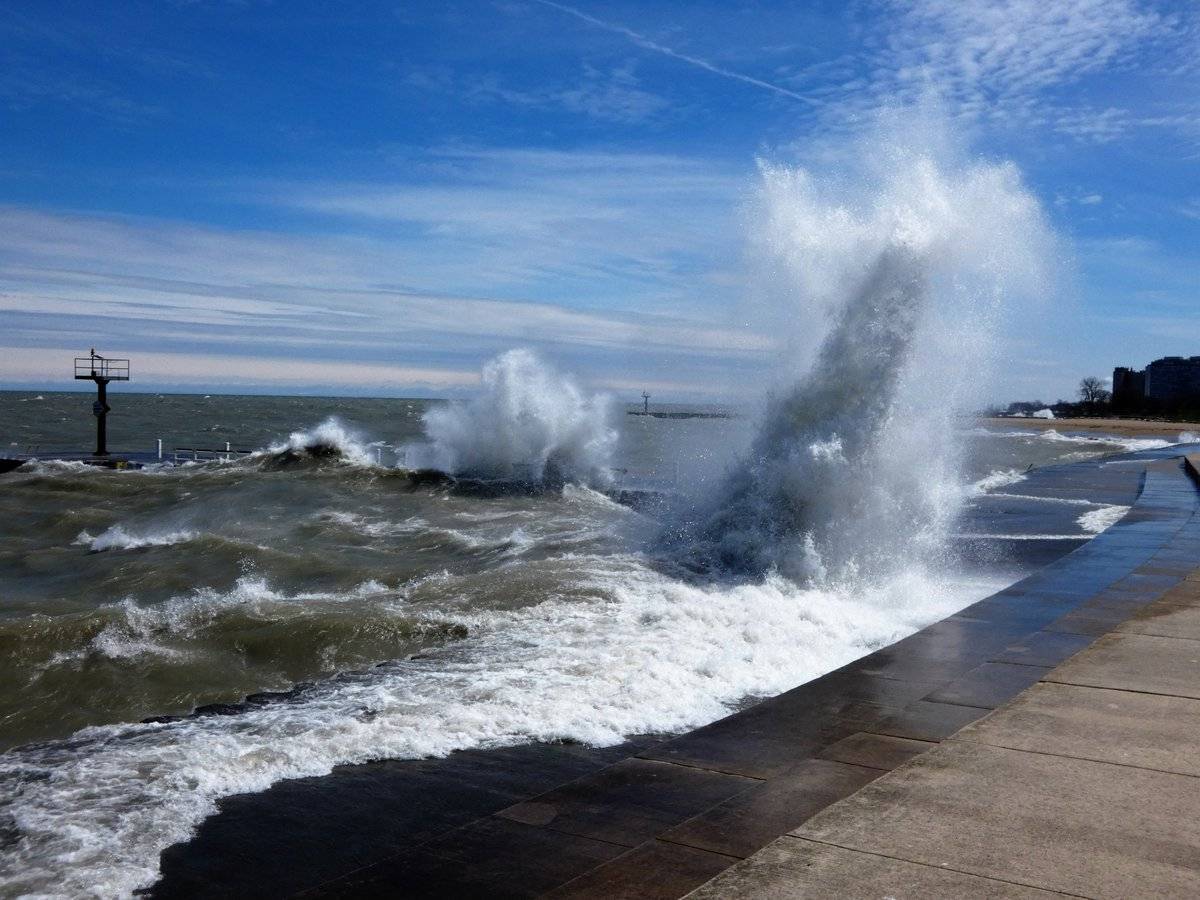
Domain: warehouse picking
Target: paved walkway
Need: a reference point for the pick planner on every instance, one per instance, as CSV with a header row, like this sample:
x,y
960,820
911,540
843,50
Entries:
x,y
1087,784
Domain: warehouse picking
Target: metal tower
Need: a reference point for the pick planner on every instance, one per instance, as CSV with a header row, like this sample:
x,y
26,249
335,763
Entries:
x,y
101,370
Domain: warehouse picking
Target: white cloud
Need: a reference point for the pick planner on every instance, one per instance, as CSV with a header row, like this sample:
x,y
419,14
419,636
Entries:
x,y
608,258
490,217
1020,63
991,52
614,95
1079,198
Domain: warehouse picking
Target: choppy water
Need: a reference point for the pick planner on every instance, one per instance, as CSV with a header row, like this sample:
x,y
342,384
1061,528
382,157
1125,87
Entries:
x,y
500,617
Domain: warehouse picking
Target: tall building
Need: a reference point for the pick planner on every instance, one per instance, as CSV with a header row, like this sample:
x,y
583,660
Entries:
x,y
1128,388
1163,382
1173,378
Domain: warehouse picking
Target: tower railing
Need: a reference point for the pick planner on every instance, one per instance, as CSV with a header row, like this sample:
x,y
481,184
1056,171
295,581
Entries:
x,y
88,368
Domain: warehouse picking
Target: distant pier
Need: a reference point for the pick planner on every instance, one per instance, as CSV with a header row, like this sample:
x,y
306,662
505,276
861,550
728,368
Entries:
x,y
664,414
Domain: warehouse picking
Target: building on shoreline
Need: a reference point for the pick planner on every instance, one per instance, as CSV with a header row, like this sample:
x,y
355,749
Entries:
x,y
1166,384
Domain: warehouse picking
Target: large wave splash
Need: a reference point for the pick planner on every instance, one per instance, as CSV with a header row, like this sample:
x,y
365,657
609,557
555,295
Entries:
x,y
899,287
529,423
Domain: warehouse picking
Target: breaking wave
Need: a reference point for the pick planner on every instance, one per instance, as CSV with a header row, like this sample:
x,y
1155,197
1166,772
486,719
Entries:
x,y
631,652
529,423
997,479
117,538
329,441
854,471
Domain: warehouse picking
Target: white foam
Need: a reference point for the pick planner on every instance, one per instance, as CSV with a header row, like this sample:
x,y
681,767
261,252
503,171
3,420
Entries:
x,y
512,542
117,538
1000,536
330,434
528,423
1037,498
997,479
1129,444
1098,520
632,651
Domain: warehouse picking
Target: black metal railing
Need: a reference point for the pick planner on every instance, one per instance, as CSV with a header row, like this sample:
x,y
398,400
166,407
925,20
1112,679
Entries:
x,y
88,367
206,454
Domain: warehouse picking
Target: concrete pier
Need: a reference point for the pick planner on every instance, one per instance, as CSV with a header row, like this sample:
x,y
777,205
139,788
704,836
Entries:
x,y
660,818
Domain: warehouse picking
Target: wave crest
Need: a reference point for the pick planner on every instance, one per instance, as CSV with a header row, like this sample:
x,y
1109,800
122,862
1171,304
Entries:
x,y
530,423
330,441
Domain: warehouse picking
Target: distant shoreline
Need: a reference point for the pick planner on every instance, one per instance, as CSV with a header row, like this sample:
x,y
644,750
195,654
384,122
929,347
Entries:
x,y
1118,427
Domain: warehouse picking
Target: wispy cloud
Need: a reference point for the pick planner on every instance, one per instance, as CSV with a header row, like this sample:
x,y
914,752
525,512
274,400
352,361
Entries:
x,y
493,218
1009,63
606,95
426,277
647,43
991,52
1078,198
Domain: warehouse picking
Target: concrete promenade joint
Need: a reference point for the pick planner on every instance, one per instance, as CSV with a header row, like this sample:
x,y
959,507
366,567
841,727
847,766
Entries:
x,y
1085,785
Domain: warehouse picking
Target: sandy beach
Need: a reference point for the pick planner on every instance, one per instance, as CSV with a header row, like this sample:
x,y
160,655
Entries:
x,y
1119,427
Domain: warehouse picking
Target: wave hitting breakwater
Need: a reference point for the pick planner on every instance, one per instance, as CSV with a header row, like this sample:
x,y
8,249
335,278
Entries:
x,y
855,470
529,423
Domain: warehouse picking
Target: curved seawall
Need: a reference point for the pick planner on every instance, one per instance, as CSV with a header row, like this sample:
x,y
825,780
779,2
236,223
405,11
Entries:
x,y
657,818
1084,785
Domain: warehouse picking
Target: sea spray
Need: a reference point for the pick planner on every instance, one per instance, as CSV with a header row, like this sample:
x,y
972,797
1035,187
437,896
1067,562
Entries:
x,y
529,423
854,470
330,440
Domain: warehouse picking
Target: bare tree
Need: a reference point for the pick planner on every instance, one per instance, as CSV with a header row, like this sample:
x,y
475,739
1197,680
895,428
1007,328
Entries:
x,y
1092,392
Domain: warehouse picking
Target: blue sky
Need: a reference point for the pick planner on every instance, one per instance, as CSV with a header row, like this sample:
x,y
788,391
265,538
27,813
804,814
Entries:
x,y
375,197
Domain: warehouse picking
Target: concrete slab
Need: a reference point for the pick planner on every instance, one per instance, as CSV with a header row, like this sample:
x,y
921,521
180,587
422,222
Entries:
x,y
875,751
490,858
989,685
798,869
771,737
282,837
1136,662
1088,828
654,871
1043,648
1131,729
1176,615
628,803
926,720
742,824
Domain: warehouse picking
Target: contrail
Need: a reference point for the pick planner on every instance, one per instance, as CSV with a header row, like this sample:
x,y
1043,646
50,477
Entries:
x,y
642,41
